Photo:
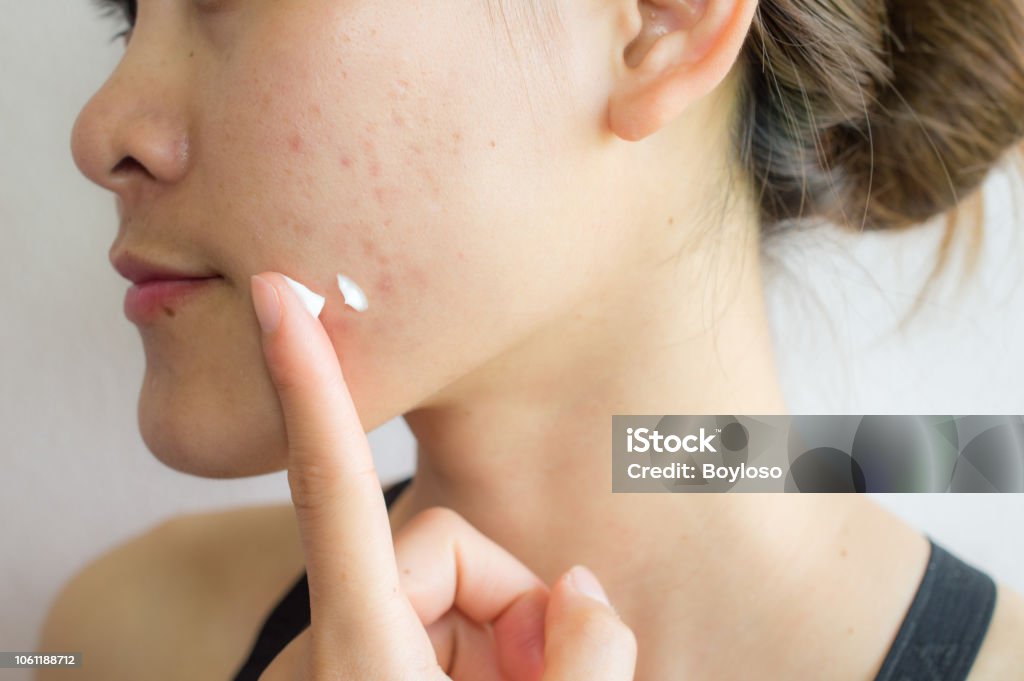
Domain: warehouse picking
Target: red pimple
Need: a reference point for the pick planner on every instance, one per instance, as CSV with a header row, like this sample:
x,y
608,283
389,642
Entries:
x,y
295,142
368,246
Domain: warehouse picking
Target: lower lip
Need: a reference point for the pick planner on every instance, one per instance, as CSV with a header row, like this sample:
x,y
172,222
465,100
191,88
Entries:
x,y
151,300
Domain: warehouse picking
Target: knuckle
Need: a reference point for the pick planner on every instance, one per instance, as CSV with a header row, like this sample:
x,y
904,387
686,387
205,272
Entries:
x,y
286,378
441,517
309,481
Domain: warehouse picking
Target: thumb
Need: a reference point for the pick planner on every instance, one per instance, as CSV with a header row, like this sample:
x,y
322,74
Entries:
x,y
584,637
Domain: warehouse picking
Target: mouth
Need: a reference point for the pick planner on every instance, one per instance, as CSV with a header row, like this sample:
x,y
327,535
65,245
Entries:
x,y
146,302
158,290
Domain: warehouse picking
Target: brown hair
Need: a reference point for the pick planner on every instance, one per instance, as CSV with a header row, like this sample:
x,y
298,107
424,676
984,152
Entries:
x,y
879,114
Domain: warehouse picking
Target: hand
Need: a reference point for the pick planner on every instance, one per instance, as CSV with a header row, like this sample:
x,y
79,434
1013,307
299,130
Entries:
x,y
439,601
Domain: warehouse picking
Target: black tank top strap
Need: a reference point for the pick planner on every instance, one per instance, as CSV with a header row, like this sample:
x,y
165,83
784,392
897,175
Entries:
x,y
945,624
290,616
938,639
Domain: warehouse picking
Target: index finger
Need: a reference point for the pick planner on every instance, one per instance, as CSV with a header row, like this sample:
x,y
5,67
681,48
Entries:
x,y
342,518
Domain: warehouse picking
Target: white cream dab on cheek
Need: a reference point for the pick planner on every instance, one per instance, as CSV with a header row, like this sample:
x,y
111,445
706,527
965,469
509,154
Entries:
x,y
313,302
354,296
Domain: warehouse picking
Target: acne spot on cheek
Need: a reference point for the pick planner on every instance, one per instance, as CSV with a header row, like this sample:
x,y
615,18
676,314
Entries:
x,y
295,142
456,143
385,284
414,281
346,161
301,229
369,248
381,195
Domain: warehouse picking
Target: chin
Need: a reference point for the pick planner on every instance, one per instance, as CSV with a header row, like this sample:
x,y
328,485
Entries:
x,y
211,434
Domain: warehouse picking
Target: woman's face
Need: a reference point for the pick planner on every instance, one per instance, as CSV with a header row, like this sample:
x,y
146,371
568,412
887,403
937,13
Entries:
x,y
462,175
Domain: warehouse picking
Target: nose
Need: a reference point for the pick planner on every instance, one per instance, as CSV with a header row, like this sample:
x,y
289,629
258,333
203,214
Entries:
x,y
132,132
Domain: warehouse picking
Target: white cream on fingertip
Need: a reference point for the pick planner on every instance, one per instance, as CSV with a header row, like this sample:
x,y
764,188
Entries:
x,y
314,302
354,296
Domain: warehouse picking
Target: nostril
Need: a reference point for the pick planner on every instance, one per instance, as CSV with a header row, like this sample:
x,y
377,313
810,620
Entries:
x,y
128,164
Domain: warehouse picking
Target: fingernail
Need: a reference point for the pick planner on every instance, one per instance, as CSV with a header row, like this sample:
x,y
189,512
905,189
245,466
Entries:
x,y
584,581
314,303
265,302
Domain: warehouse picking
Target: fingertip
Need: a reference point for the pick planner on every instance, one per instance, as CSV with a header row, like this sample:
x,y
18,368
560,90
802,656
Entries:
x,y
266,303
584,582
313,302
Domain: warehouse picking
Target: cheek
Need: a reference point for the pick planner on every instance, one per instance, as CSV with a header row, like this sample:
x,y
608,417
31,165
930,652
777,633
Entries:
x,y
378,151
370,182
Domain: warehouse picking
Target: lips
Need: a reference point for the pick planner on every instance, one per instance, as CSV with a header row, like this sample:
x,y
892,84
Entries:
x,y
162,298
157,290
139,270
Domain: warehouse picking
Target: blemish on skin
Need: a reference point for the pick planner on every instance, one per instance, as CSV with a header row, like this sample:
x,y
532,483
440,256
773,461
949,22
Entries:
x,y
671,221
375,169
417,149
346,161
417,277
457,136
295,142
842,553
462,256
378,193
371,128
493,144
191,54
384,284
301,229
316,110
369,248
168,311
397,118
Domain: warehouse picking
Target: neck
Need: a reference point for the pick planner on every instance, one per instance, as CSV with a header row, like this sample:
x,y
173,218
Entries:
x,y
677,335
522,446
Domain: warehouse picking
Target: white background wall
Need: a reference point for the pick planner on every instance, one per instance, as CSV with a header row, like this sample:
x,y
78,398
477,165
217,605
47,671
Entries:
x,y
78,479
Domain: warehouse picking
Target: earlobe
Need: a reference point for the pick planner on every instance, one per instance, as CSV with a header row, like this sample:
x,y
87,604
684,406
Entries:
x,y
685,48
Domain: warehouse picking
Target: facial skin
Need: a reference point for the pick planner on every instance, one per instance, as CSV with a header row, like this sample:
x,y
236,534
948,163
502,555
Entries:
x,y
549,228
473,189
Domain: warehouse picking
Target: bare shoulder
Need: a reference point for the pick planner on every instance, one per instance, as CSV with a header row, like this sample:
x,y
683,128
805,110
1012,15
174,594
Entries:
x,y
1001,657
200,580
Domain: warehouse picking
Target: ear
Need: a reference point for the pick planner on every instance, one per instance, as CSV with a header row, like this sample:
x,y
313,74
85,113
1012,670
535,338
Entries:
x,y
681,51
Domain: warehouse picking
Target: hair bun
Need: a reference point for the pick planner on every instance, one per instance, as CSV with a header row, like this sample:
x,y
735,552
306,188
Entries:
x,y
879,113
